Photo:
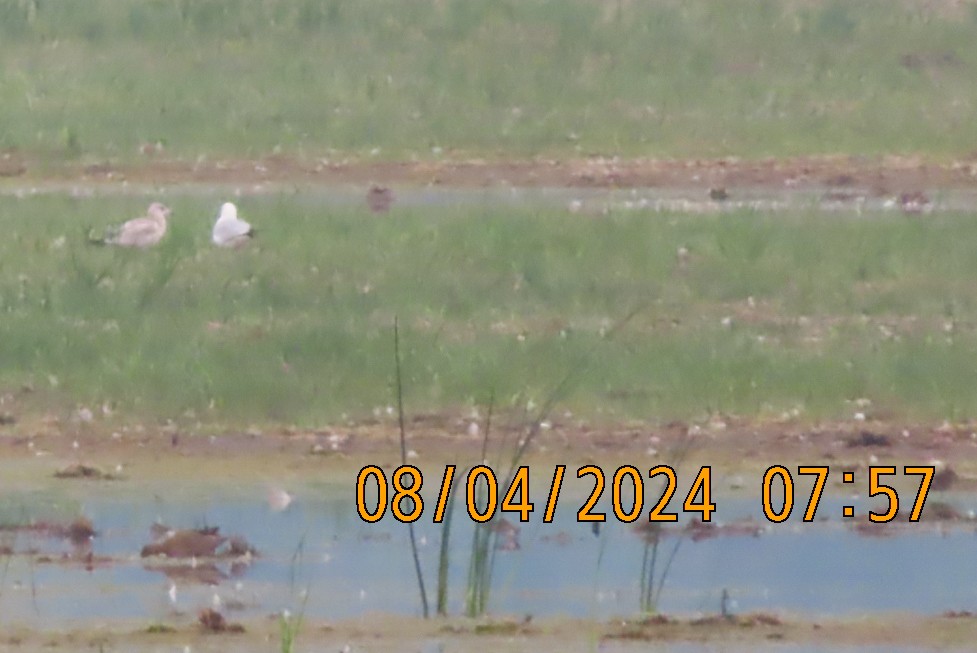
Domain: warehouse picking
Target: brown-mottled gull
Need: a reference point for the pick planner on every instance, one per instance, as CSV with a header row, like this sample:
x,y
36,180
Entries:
x,y
139,232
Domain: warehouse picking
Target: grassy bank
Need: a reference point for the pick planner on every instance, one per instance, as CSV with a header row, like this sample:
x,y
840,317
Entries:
x,y
821,310
555,77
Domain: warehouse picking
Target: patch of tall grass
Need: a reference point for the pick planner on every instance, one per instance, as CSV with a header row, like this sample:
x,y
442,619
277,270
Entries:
x,y
559,77
772,312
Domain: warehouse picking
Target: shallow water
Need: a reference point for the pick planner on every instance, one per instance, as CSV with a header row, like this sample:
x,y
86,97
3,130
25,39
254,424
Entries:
x,y
351,569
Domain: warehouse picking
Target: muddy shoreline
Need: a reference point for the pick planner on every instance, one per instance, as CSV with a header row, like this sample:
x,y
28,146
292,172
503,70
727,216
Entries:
x,y
382,632
879,175
146,460
732,445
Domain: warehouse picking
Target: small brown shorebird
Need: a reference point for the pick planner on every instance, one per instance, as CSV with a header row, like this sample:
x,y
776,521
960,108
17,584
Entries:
x,y
914,202
379,198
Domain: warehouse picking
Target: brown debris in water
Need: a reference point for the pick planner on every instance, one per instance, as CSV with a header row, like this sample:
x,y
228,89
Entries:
x,y
508,534
560,538
86,557
933,512
943,480
649,531
79,470
80,531
649,627
941,511
214,622
200,543
869,439
751,620
195,543
699,530
758,619
959,614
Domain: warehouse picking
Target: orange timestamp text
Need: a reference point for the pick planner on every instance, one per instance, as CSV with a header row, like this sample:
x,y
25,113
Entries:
x,y
482,490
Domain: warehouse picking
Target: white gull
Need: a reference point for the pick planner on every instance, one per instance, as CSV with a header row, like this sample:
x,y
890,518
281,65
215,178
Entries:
x,y
229,230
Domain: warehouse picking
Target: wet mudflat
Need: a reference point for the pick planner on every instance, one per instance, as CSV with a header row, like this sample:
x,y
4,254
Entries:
x,y
318,556
599,200
835,582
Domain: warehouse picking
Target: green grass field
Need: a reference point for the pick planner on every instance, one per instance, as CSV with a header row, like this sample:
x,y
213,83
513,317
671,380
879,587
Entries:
x,y
299,330
94,80
822,309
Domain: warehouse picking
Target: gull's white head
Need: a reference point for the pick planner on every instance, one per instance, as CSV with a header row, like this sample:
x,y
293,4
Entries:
x,y
158,210
228,211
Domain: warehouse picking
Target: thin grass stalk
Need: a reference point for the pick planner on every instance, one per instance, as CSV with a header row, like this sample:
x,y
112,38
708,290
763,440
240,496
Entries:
x,y
475,596
403,461
561,390
601,548
479,579
288,630
668,565
9,543
488,424
682,453
483,546
294,562
444,561
485,587
643,579
475,568
650,592
648,604
31,565
489,536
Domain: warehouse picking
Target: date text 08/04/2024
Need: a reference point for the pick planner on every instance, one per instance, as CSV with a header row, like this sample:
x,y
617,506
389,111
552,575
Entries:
x,y
482,499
